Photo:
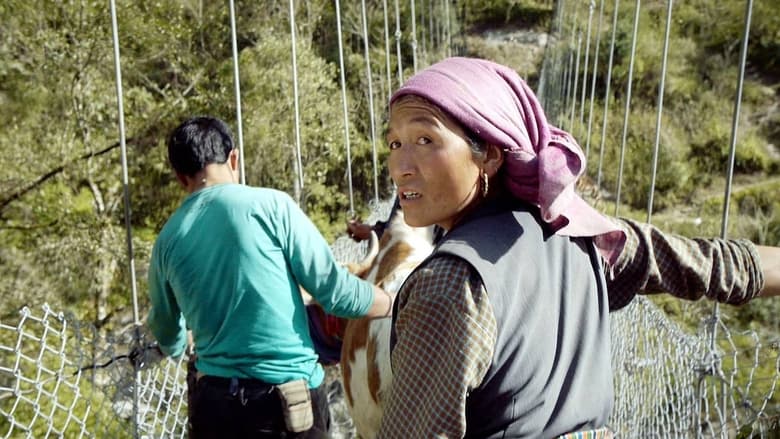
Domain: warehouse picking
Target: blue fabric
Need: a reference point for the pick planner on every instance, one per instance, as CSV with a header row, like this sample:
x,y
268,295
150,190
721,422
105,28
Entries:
x,y
227,265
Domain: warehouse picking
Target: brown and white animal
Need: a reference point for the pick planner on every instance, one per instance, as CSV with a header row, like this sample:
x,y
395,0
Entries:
x,y
365,352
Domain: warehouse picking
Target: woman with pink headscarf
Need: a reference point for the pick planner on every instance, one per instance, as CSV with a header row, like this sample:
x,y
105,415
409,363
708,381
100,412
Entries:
x,y
504,330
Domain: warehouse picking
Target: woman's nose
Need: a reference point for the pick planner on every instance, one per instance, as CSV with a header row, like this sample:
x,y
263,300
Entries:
x,y
401,163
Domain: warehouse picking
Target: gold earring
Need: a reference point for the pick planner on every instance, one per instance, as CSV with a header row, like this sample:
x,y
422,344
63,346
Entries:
x,y
485,182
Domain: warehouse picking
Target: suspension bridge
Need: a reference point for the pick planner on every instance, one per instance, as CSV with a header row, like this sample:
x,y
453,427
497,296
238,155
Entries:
x,y
63,377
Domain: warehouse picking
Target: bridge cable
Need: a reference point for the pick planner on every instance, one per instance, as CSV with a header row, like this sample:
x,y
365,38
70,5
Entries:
x,y
345,110
414,37
127,211
297,163
606,94
237,85
370,101
398,45
661,87
593,80
628,106
591,7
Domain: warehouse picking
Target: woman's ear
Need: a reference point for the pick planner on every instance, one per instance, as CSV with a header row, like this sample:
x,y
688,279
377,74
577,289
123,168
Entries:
x,y
493,160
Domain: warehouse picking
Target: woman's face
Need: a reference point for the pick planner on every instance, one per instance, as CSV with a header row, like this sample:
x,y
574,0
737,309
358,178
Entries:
x,y
431,163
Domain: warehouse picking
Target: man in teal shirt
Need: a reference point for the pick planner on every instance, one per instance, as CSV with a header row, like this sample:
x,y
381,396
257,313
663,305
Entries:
x,y
228,265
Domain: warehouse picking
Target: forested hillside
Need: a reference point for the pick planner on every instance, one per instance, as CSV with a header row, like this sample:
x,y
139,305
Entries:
x,y
62,236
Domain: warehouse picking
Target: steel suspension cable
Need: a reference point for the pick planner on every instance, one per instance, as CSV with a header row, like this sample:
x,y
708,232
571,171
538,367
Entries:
x,y
567,82
735,118
346,113
297,163
127,211
387,53
730,170
423,35
574,65
595,76
414,37
370,102
431,33
575,77
627,107
398,44
661,87
591,6
237,85
606,94
448,28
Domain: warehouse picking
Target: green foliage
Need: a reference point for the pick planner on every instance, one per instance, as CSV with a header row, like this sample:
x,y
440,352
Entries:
x,y
498,13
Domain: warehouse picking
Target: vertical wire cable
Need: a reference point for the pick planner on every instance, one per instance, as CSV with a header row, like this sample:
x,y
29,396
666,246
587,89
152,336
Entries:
x,y
566,85
449,27
431,32
236,82
297,163
398,44
387,53
126,196
575,77
424,32
561,78
439,22
732,157
414,37
627,107
370,102
595,77
661,87
606,94
576,40
346,113
591,6
735,119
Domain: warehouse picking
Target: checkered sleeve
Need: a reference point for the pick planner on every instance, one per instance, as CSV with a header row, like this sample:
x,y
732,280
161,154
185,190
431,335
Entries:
x,y
445,336
725,270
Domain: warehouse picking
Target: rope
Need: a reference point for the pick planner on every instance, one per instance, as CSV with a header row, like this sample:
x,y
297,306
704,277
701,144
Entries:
x,y
237,84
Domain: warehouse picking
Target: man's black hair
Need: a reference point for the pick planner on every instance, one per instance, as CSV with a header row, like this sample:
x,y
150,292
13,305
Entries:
x,y
198,142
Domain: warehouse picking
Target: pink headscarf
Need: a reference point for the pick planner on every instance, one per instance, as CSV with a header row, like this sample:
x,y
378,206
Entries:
x,y
541,163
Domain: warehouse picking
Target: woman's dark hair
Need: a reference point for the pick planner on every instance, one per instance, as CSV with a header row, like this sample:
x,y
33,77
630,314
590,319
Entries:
x,y
198,142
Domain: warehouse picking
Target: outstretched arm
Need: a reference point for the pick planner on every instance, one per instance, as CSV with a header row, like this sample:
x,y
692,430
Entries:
x,y
770,265
725,270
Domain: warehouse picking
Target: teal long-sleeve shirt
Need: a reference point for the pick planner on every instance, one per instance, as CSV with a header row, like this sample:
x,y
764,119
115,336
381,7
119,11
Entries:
x,y
227,265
